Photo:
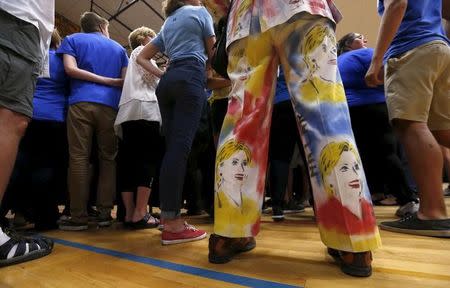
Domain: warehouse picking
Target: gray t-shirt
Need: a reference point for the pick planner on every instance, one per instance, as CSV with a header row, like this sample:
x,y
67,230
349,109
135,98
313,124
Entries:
x,y
183,33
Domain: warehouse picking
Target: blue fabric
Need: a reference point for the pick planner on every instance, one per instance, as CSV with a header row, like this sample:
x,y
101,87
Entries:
x,y
50,96
281,92
353,66
100,55
183,33
421,24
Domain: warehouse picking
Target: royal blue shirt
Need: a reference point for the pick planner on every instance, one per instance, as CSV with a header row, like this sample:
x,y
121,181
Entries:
x,y
421,24
100,55
281,92
183,33
50,96
353,66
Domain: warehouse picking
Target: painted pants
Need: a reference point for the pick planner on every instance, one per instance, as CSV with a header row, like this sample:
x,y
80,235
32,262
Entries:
x,y
305,47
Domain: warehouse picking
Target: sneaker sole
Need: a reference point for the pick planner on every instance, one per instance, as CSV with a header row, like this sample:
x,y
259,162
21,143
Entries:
x,y
431,233
73,228
104,224
178,241
278,218
225,259
351,270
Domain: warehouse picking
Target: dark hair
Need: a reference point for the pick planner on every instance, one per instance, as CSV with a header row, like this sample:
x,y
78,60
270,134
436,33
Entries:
x,y
343,45
170,6
91,22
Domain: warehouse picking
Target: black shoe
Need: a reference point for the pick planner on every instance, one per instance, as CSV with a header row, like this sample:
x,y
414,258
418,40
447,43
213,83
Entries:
x,y
413,225
293,207
354,264
71,225
104,221
277,214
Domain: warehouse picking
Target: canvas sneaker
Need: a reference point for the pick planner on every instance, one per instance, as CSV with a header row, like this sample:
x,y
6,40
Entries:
x,y
277,214
411,224
188,234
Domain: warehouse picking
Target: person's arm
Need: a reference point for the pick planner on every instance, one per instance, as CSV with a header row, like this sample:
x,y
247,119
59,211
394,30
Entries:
x,y
143,59
72,70
209,44
394,10
213,82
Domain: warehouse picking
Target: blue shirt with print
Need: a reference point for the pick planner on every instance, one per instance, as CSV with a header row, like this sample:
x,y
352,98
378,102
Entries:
x,y
421,24
100,55
50,96
353,66
183,33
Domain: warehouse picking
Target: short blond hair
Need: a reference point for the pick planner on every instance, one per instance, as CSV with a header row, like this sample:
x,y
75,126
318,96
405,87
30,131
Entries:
x,y
138,35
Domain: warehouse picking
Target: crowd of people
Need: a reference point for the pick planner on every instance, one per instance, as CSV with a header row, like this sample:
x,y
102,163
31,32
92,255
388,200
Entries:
x,y
365,121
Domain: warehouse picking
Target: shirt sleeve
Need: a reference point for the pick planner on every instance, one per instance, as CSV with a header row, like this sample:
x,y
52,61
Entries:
x,y
158,41
67,47
208,25
124,59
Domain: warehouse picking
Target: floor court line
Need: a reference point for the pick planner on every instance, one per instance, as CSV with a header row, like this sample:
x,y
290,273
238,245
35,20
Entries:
x,y
200,272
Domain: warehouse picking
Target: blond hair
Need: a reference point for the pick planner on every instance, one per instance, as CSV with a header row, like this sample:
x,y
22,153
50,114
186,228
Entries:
x,y
313,39
55,40
137,36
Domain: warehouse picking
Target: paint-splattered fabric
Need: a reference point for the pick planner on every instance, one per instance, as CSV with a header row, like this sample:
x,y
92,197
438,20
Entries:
x,y
305,47
266,14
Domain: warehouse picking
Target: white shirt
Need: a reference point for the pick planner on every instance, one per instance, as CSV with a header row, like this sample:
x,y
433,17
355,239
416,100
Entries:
x,y
138,100
40,13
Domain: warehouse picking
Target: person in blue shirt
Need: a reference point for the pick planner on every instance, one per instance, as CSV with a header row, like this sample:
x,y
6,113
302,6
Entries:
x,y
96,66
370,123
44,145
187,37
416,57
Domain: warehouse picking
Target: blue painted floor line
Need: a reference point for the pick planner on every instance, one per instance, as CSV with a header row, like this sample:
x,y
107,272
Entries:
x,y
200,272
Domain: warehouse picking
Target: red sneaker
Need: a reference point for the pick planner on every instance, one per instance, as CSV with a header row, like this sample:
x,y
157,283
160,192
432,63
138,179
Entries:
x,y
189,233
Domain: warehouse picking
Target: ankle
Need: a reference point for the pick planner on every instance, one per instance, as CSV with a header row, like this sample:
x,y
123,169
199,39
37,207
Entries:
x,y
432,215
174,225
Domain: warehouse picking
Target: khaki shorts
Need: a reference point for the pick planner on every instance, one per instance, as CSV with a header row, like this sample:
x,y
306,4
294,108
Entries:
x,y
418,85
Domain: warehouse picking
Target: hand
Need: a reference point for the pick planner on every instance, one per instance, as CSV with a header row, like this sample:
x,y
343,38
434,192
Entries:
x,y
375,74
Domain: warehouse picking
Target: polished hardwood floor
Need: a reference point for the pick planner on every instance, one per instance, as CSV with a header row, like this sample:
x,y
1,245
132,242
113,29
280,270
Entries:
x,y
288,254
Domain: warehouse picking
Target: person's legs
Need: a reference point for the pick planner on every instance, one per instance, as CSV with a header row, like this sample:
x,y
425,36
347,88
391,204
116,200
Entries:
x,y
342,200
446,157
181,97
107,151
423,150
79,135
242,151
418,104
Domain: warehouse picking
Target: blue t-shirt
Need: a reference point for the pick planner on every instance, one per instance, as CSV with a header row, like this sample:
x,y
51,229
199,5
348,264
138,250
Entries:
x,y
281,92
183,33
421,24
353,66
100,55
50,96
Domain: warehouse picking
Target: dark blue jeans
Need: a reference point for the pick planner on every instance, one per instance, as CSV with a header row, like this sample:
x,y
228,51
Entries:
x,y
181,96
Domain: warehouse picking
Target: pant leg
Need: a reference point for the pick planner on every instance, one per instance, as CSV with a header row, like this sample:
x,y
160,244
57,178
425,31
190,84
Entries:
x,y
307,49
80,128
107,152
242,151
181,95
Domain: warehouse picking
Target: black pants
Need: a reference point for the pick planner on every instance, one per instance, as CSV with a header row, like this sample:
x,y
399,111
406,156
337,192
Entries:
x,y
377,146
40,176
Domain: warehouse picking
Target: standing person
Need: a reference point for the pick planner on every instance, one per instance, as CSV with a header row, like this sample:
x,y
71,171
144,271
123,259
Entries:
x,y
187,37
138,123
97,66
44,146
376,140
411,36
300,36
25,31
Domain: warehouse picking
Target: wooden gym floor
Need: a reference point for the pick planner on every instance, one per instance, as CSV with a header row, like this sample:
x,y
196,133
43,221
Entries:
x,y
288,254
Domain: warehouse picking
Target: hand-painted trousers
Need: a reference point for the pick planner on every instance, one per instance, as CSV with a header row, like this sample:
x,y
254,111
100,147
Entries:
x,y
305,48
